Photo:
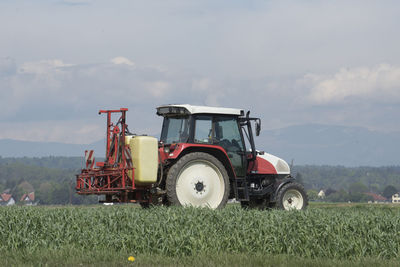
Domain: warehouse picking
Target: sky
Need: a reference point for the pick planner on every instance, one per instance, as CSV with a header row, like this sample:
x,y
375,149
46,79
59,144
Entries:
x,y
289,62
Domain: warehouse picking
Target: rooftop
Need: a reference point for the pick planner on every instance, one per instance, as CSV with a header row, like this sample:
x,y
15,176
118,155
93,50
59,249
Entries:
x,y
5,197
28,197
189,109
376,197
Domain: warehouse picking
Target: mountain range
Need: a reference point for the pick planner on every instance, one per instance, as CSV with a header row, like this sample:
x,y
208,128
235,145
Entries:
x,y
16,148
316,144
312,144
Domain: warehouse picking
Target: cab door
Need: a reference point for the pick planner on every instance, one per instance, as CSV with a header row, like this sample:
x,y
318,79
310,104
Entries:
x,y
227,135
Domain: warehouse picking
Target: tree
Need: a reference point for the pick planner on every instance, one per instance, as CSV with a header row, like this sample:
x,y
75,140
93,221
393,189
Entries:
x,y
329,191
44,193
355,188
374,188
312,194
356,192
299,178
360,197
338,196
389,191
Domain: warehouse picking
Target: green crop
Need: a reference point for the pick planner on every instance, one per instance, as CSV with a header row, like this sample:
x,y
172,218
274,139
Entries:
x,y
335,233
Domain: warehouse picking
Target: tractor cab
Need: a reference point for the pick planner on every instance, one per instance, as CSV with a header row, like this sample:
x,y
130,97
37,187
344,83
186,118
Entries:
x,y
206,127
210,127
227,135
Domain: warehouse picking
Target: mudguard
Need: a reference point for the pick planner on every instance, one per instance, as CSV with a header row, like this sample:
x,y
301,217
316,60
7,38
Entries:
x,y
278,185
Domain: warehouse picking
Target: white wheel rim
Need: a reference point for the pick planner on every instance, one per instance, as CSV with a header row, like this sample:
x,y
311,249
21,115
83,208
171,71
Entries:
x,y
293,200
200,184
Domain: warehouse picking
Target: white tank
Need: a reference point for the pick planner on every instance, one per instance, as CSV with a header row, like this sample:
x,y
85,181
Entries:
x,y
144,150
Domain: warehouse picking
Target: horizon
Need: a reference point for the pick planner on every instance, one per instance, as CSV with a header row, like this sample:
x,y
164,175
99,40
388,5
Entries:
x,y
306,144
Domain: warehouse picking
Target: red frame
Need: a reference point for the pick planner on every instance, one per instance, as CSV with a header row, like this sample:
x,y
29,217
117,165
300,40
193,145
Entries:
x,y
177,148
258,166
111,176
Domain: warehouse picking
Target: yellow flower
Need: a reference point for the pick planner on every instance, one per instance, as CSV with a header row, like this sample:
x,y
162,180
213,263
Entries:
x,y
131,258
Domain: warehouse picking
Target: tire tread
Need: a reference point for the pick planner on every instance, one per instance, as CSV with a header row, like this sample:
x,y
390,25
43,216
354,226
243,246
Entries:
x,y
291,185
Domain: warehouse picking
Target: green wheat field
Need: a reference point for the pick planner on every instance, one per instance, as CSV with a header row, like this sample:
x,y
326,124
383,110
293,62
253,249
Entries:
x,y
327,235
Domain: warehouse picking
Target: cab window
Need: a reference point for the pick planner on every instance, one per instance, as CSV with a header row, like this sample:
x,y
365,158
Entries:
x,y
203,132
228,135
175,130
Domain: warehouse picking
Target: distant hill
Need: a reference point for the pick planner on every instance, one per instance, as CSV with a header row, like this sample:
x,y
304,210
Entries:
x,y
15,148
313,144
332,145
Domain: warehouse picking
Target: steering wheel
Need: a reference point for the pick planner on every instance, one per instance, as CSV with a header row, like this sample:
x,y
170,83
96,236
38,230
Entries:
x,y
236,144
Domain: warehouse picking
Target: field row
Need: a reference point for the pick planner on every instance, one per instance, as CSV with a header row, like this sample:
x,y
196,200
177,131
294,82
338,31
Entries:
x,y
334,233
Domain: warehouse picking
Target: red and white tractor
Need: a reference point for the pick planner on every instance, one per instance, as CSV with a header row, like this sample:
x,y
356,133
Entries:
x,y
205,156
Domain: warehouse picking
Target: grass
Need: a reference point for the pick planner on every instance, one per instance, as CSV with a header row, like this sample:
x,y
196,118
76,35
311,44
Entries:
x,y
66,257
325,234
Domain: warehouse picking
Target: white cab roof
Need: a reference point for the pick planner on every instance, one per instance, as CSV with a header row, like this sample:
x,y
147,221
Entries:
x,y
205,109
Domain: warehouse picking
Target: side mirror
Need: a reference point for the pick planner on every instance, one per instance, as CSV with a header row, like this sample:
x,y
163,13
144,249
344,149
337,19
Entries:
x,y
258,127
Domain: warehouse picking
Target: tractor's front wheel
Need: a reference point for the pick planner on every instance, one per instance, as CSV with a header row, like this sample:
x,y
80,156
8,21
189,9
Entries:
x,y
198,179
292,196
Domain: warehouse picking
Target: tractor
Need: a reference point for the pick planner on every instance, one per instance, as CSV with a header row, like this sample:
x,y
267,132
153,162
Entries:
x,y
205,157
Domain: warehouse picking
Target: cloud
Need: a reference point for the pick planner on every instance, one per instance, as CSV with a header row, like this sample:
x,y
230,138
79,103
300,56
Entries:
x,y
43,99
8,66
122,60
379,83
43,66
55,93
54,83
58,101
157,88
71,131
207,88
74,3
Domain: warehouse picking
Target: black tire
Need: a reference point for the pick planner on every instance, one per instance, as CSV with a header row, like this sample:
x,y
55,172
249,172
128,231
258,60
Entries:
x,y
215,189
292,196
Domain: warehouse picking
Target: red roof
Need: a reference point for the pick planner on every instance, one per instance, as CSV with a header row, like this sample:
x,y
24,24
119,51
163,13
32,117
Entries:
x,y
5,197
376,197
31,197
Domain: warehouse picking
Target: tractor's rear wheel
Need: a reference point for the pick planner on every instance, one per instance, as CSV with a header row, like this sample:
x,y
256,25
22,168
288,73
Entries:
x,y
292,196
198,179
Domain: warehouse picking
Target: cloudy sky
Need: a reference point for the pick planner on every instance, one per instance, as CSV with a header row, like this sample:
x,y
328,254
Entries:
x,y
289,62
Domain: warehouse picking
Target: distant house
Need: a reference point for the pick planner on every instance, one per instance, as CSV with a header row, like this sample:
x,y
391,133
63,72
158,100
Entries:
x,y
321,194
6,200
396,198
377,198
28,199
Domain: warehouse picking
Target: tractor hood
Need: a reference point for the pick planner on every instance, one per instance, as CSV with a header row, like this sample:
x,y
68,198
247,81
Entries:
x,y
266,163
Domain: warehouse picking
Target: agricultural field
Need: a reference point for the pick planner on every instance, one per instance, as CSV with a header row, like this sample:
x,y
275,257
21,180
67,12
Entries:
x,y
324,234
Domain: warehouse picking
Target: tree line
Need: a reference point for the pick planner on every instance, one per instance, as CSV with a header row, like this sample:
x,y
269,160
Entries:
x,y
53,180
342,184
